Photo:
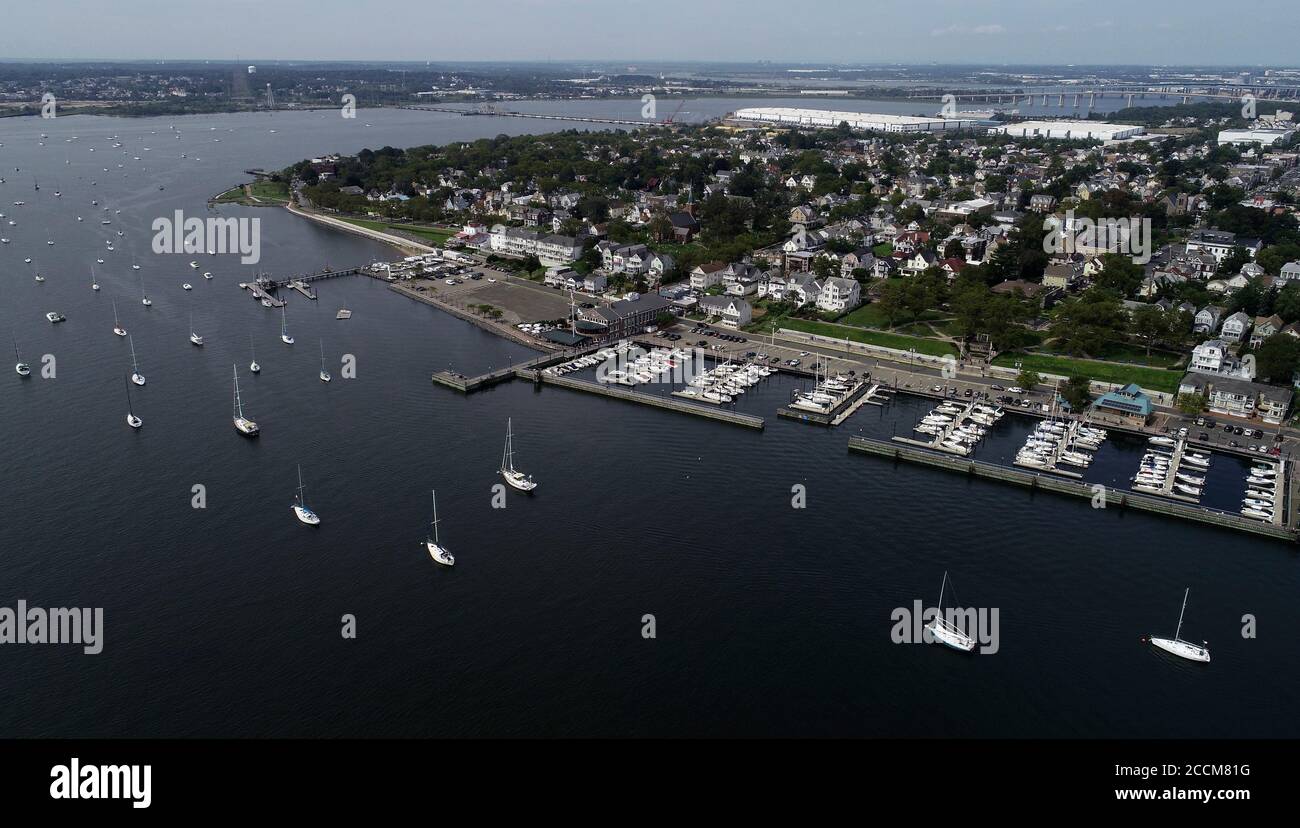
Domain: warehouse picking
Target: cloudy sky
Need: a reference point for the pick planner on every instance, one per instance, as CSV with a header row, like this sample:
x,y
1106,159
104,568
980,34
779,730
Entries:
x,y
1203,32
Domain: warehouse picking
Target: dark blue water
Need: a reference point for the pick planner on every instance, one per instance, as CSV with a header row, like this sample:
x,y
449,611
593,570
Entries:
x,y
770,620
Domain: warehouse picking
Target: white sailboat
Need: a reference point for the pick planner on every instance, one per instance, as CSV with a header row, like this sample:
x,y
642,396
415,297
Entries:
x,y
117,326
300,509
438,552
144,297
944,631
284,328
195,338
324,375
253,366
94,283
22,368
516,479
136,376
1177,645
243,425
131,420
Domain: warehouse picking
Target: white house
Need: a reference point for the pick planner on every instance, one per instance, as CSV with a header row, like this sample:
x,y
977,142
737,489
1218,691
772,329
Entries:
x,y
1235,327
732,310
839,294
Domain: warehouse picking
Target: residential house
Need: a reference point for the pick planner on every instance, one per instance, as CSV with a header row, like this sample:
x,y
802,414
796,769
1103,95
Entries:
x,y
1235,327
1265,326
732,310
1207,319
839,294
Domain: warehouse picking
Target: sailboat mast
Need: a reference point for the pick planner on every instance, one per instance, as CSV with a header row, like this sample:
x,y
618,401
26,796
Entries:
x,y
942,584
1178,632
434,493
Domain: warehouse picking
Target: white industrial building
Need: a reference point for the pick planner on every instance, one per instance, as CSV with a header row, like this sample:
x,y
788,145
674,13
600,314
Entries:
x,y
1094,130
830,118
1267,137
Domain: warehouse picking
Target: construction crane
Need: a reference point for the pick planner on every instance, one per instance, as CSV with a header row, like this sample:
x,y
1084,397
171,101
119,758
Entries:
x,y
670,118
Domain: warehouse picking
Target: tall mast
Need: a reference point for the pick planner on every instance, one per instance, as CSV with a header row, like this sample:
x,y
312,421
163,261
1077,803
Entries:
x,y
942,584
1180,614
434,493
301,501
239,407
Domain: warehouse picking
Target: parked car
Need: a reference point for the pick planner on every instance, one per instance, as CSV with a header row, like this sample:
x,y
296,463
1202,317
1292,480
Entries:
x,y
996,387
1205,436
1016,389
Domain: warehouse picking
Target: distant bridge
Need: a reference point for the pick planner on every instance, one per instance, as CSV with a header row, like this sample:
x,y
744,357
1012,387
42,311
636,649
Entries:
x,y
491,110
1076,95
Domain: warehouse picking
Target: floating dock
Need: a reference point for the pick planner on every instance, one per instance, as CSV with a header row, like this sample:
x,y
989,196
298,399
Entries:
x,y
1113,496
670,403
852,400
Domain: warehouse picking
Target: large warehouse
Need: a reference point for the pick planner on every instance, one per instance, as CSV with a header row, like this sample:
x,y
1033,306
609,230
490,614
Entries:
x,y
1267,137
830,118
1095,130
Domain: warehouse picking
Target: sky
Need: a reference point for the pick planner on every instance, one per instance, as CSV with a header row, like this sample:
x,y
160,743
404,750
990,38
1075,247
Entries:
x,y
1179,32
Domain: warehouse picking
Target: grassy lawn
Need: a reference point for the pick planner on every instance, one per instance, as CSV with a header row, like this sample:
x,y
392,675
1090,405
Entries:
x,y
266,190
885,340
882,250
432,234
871,316
1156,379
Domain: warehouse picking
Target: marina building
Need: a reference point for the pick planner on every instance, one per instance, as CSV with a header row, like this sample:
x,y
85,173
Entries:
x,y
1077,130
831,118
1128,404
628,316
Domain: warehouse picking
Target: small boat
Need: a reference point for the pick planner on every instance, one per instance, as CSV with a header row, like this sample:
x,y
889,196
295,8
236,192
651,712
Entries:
x,y
243,425
22,368
136,376
324,375
195,338
284,328
94,283
117,327
207,275
343,313
187,286
516,479
436,550
1179,647
194,265
55,316
300,508
253,366
1162,441
944,631
131,420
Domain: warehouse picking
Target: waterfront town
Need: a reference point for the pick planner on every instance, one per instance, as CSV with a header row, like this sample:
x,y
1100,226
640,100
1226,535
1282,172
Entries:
x,y
906,235
1142,276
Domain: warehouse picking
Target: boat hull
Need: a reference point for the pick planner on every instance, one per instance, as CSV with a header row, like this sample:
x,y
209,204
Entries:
x,y
439,555
306,515
1182,649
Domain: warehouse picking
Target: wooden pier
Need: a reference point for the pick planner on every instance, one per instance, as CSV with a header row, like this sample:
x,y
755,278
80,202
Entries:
x,y
1113,496
849,403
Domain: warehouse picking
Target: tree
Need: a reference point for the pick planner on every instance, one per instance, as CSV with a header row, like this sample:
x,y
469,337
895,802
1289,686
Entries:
x,y
1191,404
1119,274
1077,392
1278,358
1150,323
1027,379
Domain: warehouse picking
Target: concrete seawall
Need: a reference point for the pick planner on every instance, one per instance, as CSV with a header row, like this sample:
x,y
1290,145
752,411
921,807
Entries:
x,y
1117,497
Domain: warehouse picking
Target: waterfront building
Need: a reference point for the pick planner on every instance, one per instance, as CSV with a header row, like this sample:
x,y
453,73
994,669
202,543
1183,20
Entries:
x,y
829,118
732,310
628,316
1129,404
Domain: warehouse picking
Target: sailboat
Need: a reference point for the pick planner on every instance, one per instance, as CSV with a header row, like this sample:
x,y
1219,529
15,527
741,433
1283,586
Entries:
x,y
284,328
117,326
944,631
324,375
136,376
243,425
195,338
94,283
23,369
131,420
516,479
300,509
144,297
39,277
253,366
438,552
1179,647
